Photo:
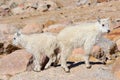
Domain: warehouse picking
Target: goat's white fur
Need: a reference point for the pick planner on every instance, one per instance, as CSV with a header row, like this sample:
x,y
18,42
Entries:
x,y
83,35
38,44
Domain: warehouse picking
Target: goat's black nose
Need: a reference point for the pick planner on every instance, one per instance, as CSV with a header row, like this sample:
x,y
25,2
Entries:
x,y
108,31
48,5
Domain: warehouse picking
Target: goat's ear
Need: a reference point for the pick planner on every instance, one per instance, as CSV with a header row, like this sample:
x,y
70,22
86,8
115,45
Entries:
x,y
18,33
98,19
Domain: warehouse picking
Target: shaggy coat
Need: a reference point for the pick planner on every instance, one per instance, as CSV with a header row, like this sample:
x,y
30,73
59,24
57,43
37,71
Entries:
x,y
84,35
38,44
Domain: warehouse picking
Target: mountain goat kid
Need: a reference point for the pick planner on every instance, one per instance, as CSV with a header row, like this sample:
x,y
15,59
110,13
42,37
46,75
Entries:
x,y
38,44
83,35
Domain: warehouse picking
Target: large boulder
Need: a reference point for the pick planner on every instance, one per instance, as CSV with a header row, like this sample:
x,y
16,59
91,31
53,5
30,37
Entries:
x,y
56,28
32,28
15,62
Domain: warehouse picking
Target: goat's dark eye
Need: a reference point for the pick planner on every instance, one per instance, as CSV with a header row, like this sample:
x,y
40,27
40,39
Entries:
x,y
103,25
14,38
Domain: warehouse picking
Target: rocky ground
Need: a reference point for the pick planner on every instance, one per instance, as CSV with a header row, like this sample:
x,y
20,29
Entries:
x,y
78,72
36,16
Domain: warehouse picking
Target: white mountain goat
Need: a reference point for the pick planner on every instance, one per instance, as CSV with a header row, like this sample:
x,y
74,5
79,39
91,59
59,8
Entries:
x,y
38,44
83,35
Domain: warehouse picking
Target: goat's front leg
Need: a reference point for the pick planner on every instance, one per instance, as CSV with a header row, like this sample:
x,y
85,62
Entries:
x,y
87,49
37,66
86,58
64,55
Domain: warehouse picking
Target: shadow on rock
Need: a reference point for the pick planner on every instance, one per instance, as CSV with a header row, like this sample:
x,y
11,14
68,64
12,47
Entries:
x,y
72,64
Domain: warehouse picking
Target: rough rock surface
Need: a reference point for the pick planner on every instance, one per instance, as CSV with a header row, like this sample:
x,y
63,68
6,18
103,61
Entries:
x,y
32,28
15,62
78,72
56,28
116,68
67,11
